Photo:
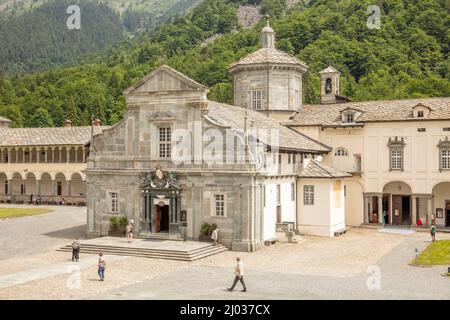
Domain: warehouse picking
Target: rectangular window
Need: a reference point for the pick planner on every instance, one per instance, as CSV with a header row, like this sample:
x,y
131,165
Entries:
x,y
446,129
278,194
292,191
349,117
219,205
256,99
114,196
396,158
308,195
421,130
420,114
165,142
445,159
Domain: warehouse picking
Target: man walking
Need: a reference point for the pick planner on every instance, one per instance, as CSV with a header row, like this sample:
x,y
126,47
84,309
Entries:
x,y
75,250
239,272
215,236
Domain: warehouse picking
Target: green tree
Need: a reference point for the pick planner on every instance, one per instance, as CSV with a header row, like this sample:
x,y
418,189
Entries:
x,y
41,119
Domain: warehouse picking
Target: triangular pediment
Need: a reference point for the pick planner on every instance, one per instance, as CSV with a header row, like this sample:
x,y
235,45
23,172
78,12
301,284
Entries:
x,y
165,79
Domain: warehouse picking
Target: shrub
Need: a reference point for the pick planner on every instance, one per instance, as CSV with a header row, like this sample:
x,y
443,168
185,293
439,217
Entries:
x,y
206,229
119,222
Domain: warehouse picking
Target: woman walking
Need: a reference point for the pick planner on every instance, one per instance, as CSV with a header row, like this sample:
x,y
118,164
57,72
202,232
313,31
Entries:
x,y
101,266
130,231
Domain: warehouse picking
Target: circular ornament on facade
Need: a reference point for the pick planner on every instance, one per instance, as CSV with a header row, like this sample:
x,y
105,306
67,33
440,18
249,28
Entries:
x,y
99,144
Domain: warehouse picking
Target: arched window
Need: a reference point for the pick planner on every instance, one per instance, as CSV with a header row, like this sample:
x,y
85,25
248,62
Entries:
x,y
341,152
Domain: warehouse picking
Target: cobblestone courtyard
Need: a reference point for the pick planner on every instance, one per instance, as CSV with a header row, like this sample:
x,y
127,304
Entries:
x,y
318,268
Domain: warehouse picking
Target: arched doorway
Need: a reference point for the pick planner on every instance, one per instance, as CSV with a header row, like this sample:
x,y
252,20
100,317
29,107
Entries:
x,y
76,185
397,203
441,196
46,185
30,184
3,184
60,181
18,187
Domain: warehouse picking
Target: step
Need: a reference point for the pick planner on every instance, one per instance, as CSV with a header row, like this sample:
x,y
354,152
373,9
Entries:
x,y
183,256
143,251
167,257
120,248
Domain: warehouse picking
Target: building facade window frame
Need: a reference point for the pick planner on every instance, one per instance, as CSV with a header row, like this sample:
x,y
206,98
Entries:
x,y
278,194
444,155
341,152
308,195
396,154
219,205
164,142
113,201
256,99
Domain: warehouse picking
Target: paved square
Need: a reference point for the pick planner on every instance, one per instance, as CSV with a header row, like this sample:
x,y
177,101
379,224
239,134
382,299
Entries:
x,y
347,267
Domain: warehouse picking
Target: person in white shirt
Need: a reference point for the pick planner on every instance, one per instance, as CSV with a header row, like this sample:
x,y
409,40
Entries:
x,y
215,236
239,272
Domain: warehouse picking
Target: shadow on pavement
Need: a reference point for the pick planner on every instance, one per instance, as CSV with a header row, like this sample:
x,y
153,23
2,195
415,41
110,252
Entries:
x,y
69,233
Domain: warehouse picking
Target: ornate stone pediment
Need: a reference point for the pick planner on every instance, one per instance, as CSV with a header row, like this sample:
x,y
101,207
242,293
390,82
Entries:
x,y
162,115
160,179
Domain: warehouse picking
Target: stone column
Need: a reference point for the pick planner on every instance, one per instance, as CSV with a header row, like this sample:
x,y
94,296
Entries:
x,y
68,155
380,209
414,211
10,182
391,210
366,211
68,188
429,211
46,154
9,155
38,187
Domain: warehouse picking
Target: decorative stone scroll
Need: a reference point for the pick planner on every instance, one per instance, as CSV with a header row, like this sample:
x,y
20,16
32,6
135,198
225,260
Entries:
x,y
160,179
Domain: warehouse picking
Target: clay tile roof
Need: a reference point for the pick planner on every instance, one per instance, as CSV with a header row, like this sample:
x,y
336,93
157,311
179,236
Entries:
x,y
46,136
371,111
268,55
316,169
233,118
4,120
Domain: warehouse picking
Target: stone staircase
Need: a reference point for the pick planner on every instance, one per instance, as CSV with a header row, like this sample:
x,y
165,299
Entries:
x,y
180,255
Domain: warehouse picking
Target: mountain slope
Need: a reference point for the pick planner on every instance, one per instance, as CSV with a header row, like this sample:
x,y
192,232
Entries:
x,y
40,38
406,58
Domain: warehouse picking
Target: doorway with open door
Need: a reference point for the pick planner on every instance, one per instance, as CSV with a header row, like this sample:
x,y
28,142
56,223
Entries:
x,y
162,218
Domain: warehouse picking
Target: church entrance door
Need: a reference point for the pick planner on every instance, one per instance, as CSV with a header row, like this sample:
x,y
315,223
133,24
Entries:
x,y
161,218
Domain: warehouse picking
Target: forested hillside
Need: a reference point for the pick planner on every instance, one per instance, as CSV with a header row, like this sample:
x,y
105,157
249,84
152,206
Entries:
x,y
406,58
40,39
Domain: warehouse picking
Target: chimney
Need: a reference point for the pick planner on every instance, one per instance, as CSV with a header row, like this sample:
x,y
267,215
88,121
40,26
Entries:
x,y
67,123
329,85
96,123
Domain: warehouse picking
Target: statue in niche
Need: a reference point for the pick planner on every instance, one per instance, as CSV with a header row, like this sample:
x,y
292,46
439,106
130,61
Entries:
x,y
328,86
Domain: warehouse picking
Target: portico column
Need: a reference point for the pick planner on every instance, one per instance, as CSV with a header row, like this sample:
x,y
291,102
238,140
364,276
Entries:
x,y
414,211
84,154
9,155
380,209
39,187
68,188
67,155
429,209
10,181
366,210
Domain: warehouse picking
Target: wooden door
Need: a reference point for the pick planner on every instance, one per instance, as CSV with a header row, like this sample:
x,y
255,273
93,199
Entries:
x,y
397,205
157,219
